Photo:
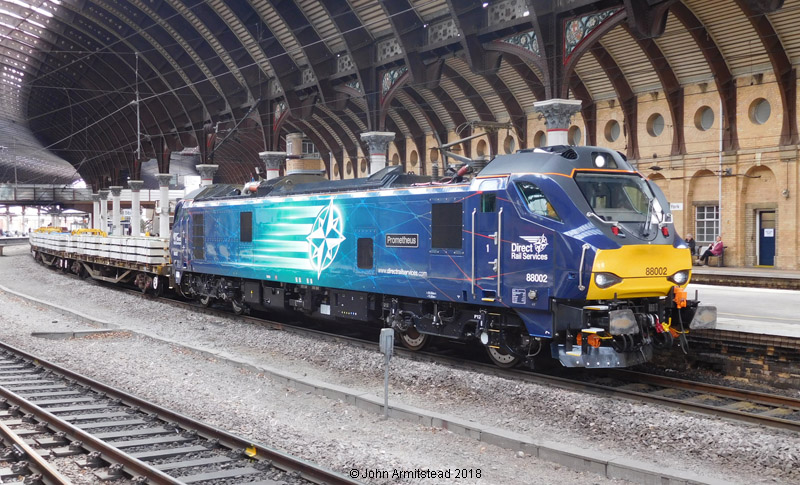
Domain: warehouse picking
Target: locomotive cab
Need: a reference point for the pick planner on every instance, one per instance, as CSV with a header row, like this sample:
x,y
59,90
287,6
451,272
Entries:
x,y
616,271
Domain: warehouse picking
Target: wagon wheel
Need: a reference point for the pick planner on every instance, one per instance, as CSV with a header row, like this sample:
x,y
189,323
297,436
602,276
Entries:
x,y
145,284
205,300
413,340
158,285
502,358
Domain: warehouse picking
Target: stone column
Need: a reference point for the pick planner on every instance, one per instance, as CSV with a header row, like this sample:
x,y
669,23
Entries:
x,y
163,201
95,211
294,153
273,162
103,209
116,217
558,115
378,145
136,207
206,174
294,145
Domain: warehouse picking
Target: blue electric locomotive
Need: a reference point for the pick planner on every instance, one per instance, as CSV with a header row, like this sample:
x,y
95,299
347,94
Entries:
x,y
563,252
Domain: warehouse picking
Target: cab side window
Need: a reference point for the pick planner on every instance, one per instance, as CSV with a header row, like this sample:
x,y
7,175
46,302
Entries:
x,y
537,201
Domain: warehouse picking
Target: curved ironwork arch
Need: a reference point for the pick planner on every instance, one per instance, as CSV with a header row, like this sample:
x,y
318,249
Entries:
x,y
588,107
361,47
672,89
627,98
428,112
588,44
723,78
785,72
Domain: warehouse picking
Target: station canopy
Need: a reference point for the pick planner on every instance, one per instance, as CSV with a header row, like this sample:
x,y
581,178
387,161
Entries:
x,y
94,89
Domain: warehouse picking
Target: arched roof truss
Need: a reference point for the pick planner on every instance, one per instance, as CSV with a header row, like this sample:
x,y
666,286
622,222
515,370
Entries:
x,y
227,66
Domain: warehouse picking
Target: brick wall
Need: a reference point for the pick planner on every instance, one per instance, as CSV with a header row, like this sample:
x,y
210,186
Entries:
x,y
759,175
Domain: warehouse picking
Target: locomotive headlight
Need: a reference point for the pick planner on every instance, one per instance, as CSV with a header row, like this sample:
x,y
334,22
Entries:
x,y
605,280
680,278
599,161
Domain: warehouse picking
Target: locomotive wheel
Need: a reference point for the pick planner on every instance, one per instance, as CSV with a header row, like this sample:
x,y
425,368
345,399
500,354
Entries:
x,y
413,340
237,305
501,358
204,300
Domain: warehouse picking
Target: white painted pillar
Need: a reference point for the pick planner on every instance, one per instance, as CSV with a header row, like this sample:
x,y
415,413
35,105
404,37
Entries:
x,y
95,211
273,162
207,172
378,145
163,215
136,207
116,215
558,116
103,209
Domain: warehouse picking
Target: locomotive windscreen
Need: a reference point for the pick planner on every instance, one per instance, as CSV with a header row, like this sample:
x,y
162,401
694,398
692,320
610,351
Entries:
x,y
616,197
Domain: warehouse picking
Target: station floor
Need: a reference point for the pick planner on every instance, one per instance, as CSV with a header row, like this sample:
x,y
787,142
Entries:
x,y
754,277
762,311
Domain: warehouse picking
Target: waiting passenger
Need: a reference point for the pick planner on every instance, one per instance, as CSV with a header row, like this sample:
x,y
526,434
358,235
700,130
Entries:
x,y
692,244
713,250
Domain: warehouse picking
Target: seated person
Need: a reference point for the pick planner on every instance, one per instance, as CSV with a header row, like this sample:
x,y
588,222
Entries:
x,y
713,250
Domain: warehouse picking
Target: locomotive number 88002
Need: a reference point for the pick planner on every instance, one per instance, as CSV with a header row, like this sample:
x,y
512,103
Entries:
x,y
562,253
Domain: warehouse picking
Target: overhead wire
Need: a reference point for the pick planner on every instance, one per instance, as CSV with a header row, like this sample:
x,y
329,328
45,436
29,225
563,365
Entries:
x,y
409,84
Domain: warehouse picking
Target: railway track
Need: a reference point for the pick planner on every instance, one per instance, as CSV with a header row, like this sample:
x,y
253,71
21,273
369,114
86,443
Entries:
x,y
727,402
50,411
757,407
732,403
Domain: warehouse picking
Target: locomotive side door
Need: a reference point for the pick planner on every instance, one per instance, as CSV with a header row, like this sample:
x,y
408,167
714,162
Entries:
x,y
531,248
486,232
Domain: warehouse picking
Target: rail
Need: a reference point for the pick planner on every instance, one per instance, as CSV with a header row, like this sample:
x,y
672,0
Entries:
x,y
22,388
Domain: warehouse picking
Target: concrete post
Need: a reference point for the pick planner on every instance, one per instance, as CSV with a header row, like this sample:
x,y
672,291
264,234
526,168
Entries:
x,y
206,174
103,209
116,216
136,207
163,201
558,115
273,162
95,211
378,145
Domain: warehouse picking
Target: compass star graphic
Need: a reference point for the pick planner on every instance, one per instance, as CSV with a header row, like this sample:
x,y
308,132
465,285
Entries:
x,y
325,238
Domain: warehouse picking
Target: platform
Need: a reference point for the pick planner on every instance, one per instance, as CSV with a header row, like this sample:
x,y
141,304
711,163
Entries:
x,y
754,277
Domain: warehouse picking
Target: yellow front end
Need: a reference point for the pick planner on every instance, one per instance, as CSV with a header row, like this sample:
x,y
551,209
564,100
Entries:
x,y
644,270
